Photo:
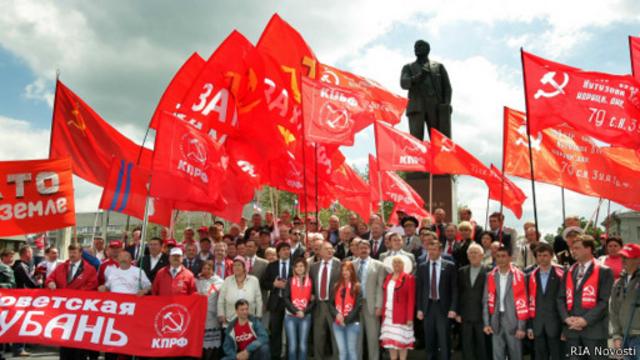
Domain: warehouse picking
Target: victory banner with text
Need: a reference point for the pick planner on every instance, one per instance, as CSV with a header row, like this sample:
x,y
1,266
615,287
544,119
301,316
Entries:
x,y
155,326
35,196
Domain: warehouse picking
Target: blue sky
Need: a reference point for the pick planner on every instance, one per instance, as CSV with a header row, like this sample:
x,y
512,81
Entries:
x,y
119,55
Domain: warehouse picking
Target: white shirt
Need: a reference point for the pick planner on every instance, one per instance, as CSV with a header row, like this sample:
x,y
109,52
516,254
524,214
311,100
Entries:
x,y
586,265
438,263
503,289
364,266
74,268
51,265
391,287
154,260
126,281
322,266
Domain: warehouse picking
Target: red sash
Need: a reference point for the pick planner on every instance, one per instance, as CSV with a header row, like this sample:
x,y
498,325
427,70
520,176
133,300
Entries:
x,y
300,292
533,288
344,304
589,289
519,293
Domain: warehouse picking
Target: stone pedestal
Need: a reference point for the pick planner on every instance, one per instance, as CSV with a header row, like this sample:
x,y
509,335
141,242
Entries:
x,y
444,192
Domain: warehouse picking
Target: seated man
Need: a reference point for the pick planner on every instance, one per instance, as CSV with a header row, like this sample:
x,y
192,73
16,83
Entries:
x,y
245,337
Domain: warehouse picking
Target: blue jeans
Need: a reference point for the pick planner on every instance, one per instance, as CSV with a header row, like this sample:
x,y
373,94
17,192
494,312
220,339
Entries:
x,y
347,340
297,335
633,343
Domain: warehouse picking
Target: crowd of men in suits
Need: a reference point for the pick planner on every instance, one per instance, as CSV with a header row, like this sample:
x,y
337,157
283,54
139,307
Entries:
x,y
488,292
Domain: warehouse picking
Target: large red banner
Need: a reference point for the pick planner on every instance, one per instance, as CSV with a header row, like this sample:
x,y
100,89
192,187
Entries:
x,y
601,105
156,326
35,196
564,157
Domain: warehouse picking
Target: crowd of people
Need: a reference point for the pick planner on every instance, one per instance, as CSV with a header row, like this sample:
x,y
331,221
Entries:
x,y
290,288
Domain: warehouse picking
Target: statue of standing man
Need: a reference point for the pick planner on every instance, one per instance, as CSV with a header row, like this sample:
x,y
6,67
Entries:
x,y
429,93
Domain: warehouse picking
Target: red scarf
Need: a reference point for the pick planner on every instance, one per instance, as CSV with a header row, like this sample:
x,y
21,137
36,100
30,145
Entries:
x,y
300,292
589,289
533,285
344,304
519,293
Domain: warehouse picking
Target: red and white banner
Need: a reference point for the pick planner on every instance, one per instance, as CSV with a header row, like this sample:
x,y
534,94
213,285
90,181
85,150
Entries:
x,y
503,190
392,186
35,196
564,157
400,151
155,326
330,112
601,105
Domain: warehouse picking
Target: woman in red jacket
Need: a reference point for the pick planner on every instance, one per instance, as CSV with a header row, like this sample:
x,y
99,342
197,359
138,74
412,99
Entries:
x,y
398,301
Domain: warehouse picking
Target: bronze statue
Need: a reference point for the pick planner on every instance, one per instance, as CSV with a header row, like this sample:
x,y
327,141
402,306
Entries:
x,y
429,93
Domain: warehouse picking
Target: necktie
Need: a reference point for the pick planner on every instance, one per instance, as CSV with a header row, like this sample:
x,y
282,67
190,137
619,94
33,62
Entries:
x,y
450,249
283,270
70,274
174,271
434,280
250,264
580,274
375,247
361,270
323,281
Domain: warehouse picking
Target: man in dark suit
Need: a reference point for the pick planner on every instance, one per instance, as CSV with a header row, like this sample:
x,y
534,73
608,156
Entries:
x,y
471,279
274,280
345,236
544,324
496,227
437,300
584,301
192,261
439,227
324,275
376,237
155,260
24,276
429,93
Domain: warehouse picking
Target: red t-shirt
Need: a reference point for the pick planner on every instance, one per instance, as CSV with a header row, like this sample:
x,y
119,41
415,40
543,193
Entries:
x,y
244,336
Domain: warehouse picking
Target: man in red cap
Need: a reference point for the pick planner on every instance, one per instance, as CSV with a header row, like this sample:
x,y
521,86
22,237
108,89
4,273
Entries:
x,y
624,322
115,247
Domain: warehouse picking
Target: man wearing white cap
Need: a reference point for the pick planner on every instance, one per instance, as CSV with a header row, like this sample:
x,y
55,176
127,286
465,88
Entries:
x,y
174,279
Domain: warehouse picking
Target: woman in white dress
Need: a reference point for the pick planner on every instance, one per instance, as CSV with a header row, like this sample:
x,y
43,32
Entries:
x,y
398,301
209,285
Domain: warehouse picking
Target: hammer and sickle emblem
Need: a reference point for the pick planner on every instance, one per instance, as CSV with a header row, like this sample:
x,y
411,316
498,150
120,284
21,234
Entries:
x,y
522,140
550,78
78,120
174,323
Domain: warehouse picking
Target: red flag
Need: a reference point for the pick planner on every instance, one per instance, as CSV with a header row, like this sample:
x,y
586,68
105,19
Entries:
x,y
287,59
400,151
178,87
187,165
450,158
330,112
564,157
126,192
384,105
80,133
634,49
393,187
601,105
503,190
419,212
36,196
351,191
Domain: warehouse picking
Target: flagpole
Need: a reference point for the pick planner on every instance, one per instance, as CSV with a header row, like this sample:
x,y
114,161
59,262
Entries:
x,y
486,219
608,217
375,135
563,204
53,113
533,182
316,183
633,73
143,233
595,222
430,193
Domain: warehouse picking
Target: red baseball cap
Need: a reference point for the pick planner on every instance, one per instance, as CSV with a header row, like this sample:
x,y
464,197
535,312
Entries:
x,y
630,251
116,244
203,229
